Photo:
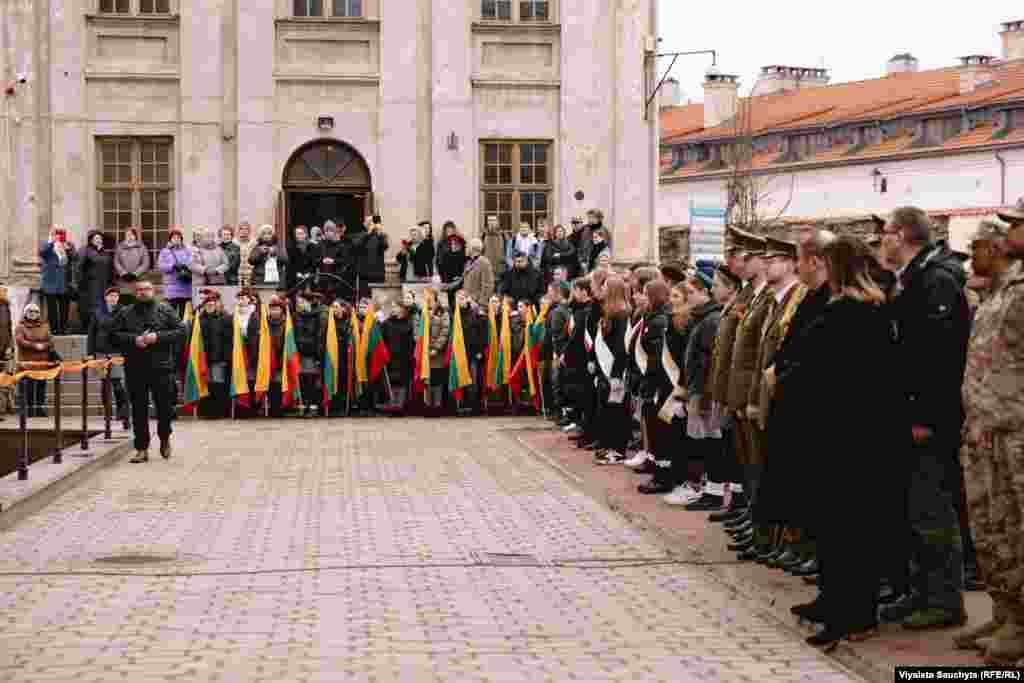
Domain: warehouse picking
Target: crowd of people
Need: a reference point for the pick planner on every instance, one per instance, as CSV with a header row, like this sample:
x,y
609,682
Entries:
x,y
775,390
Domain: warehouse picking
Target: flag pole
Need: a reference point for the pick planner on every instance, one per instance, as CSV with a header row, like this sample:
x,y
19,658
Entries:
x,y
387,382
540,388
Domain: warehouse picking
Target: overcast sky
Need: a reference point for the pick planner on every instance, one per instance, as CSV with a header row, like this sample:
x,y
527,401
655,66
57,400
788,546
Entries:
x,y
852,40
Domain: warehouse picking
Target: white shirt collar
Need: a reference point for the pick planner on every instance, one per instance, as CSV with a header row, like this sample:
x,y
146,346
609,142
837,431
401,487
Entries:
x,y
779,296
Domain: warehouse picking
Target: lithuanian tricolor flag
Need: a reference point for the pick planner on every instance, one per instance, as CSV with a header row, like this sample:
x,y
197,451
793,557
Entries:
x,y
264,362
196,387
421,371
459,376
492,346
373,352
239,380
529,359
290,391
332,368
186,320
503,363
353,387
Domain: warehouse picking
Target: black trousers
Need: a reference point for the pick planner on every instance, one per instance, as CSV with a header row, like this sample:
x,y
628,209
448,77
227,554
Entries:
x,y
33,394
615,427
850,577
57,312
218,404
142,384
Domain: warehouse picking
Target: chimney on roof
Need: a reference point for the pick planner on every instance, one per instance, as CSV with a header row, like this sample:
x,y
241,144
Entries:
x,y
776,78
670,95
721,93
1013,39
904,63
975,72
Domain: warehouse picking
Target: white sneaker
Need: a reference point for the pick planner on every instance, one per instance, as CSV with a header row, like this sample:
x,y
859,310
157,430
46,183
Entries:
x,y
612,458
638,459
682,495
569,428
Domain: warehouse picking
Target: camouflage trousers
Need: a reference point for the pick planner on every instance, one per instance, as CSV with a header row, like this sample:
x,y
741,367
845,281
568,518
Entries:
x,y
994,479
936,548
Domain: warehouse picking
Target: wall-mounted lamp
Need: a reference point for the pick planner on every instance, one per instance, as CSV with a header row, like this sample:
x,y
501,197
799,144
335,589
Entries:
x,y
453,142
325,123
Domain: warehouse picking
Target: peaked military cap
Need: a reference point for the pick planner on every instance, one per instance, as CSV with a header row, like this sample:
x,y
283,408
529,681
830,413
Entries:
x,y
776,247
1014,215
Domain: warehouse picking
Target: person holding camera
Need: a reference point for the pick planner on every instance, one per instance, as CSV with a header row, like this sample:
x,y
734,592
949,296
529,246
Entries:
x,y
95,275
175,262
370,251
57,257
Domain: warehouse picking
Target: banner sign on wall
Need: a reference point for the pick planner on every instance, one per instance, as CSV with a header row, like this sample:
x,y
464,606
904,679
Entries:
x,y
707,233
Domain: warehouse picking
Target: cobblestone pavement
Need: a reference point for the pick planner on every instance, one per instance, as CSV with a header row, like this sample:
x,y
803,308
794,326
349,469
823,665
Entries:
x,y
362,550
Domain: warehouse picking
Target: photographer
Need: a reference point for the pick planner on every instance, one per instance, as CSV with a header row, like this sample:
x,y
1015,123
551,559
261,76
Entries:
x,y
175,263
370,251
57,258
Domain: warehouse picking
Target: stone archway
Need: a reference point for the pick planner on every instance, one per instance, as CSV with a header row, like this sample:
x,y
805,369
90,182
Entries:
x,y
326,179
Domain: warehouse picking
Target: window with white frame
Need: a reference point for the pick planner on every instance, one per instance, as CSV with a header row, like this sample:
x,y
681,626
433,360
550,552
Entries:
x,y
328,8
516,10
135,7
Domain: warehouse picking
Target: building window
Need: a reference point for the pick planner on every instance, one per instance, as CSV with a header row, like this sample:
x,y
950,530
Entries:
x,y
347,8
516,182
497,10
533,10
308,8
135,6
136,188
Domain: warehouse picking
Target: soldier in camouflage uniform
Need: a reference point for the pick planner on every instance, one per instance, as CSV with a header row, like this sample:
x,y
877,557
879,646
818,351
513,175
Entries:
x,y
994,440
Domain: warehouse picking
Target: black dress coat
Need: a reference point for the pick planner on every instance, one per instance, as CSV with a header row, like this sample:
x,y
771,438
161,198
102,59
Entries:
x,y
401,343
95,275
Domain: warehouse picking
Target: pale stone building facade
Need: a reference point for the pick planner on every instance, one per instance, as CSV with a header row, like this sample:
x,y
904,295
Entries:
x,y
202,112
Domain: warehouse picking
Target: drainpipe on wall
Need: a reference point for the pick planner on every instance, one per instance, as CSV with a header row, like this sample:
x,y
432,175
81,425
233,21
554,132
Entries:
x,y
1002,178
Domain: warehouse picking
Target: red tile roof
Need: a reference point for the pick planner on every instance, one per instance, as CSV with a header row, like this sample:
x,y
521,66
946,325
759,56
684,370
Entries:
x,y
880,99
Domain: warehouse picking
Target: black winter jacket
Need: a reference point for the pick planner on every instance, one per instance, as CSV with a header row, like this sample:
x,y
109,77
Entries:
x,y
523,285
370,249
933,327
217,336
704,328
309,333
145,317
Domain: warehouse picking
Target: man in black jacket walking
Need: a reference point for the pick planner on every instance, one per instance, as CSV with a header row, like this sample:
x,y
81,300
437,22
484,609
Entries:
x,y
149,335
932,322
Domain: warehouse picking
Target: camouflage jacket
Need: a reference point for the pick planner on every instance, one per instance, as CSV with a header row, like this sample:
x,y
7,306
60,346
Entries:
x,y
994,381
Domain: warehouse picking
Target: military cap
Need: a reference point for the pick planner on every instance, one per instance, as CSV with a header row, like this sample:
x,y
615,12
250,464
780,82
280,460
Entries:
x,y
779,248
1015,215
879,222
989,231
756,246
675,272
733,248
726,273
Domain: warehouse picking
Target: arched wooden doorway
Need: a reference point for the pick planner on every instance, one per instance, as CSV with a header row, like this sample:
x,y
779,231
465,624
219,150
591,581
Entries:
x,y
326,180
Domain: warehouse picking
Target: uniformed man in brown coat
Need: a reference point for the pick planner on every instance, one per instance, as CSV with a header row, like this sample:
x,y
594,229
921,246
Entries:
x,y
787,293
743,375
721,365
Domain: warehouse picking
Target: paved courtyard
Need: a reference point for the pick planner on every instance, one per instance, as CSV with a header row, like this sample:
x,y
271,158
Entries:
x,y
363,550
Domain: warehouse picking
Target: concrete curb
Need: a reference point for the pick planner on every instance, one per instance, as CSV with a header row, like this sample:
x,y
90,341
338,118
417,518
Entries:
x,y
75,468
757,598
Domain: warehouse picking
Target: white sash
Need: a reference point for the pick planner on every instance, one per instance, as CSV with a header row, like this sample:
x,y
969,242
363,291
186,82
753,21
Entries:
x,y
605,358
639,355
668,411
588,341
632,331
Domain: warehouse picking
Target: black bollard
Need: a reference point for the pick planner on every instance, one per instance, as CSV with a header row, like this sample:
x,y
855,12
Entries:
x,y
23,389
57,407
85,408
106,388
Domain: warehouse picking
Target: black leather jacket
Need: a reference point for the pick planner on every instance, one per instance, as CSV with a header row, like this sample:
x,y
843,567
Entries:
x,y
146,317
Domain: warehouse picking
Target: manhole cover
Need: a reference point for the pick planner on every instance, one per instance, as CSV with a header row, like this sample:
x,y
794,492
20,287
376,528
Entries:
x,y
136,559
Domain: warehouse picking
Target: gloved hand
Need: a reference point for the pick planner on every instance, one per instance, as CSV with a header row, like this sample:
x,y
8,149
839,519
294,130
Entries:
x,y
591,368
679,409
